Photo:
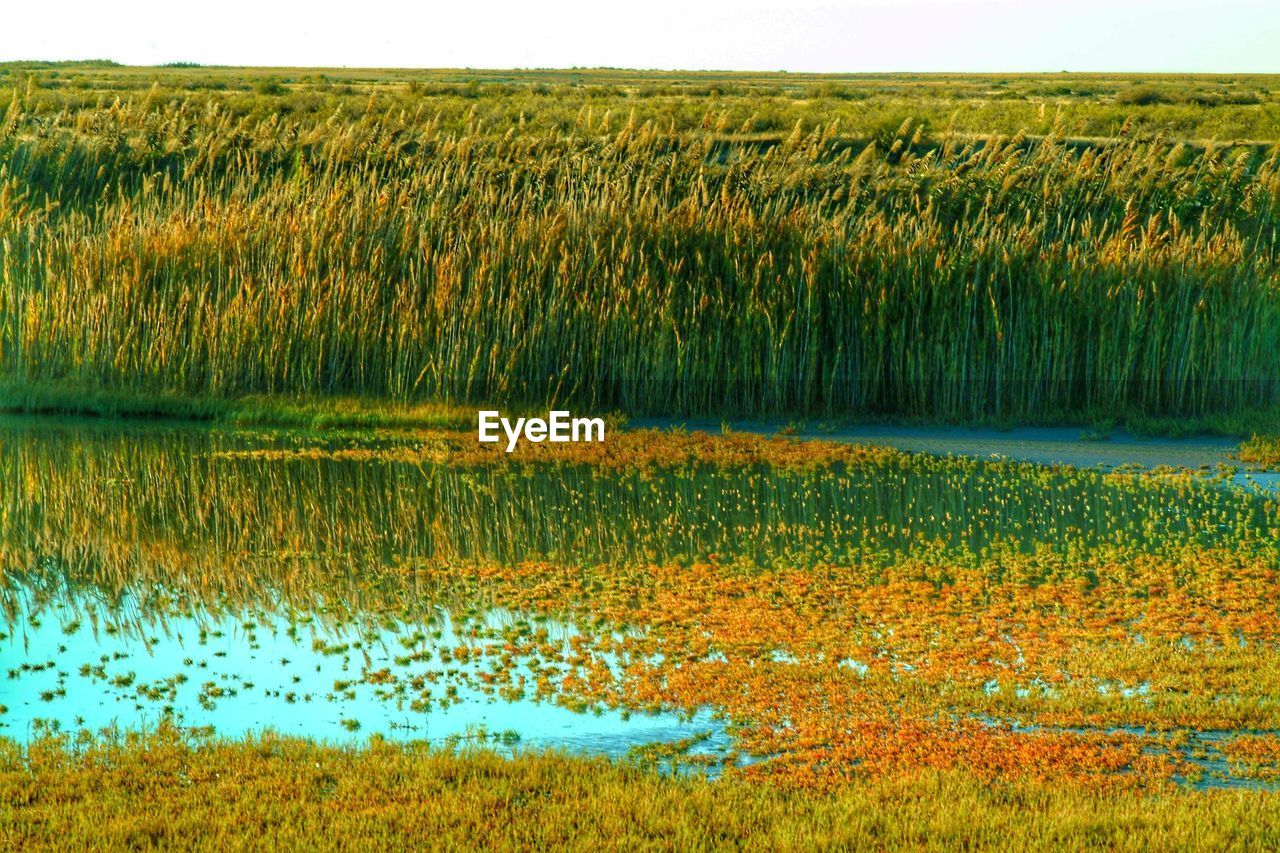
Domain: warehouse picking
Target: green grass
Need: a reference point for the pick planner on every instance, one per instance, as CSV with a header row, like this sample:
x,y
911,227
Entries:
x,y
344,413
163,791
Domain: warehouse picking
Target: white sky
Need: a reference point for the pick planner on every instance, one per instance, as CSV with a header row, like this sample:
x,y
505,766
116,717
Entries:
x,y
808,35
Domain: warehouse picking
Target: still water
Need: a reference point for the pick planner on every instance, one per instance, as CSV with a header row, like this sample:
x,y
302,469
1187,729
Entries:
x,y
162,573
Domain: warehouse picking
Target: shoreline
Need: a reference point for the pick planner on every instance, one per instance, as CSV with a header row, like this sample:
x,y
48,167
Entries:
x,y
1076,446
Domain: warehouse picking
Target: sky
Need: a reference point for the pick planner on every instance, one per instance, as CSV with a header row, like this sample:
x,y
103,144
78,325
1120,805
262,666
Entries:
x,y
1227,36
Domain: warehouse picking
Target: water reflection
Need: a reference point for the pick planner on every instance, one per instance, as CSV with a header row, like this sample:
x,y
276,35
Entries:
x,y
107,508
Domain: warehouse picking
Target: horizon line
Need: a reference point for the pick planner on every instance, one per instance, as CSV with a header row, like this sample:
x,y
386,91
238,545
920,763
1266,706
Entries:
x,y
190,65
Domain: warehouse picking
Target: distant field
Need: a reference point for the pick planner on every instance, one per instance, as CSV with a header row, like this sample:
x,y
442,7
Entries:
x,y
1021,248
1184,107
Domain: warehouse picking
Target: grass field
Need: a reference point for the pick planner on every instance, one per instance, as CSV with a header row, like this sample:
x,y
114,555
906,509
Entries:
x,y
287,793
283,293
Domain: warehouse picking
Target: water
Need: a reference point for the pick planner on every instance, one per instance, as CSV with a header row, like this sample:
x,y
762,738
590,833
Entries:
x,y
73,665
169,574
102,500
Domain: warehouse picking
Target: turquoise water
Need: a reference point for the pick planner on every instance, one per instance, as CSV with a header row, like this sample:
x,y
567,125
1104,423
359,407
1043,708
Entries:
x,y
73,665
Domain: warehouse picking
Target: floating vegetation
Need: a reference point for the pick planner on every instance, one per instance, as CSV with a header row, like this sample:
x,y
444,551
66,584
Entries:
x,y
236,520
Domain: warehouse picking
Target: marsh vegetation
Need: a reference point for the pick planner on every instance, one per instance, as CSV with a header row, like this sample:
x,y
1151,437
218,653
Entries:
x,y
610,249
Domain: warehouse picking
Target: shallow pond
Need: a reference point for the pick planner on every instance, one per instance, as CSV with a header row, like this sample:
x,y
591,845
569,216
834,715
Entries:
x,y
75,664
157,573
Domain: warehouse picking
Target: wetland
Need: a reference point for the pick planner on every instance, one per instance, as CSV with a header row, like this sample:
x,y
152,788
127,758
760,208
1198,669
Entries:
x,y
878,551
810,611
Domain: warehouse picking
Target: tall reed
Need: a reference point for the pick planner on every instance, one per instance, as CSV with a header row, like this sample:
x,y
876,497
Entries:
x,y
636,267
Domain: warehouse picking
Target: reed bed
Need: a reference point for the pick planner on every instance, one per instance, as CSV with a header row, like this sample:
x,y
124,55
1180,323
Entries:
x,y
621,263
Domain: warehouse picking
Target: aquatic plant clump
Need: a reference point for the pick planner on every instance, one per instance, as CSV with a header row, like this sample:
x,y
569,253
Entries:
x,y
1262,450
